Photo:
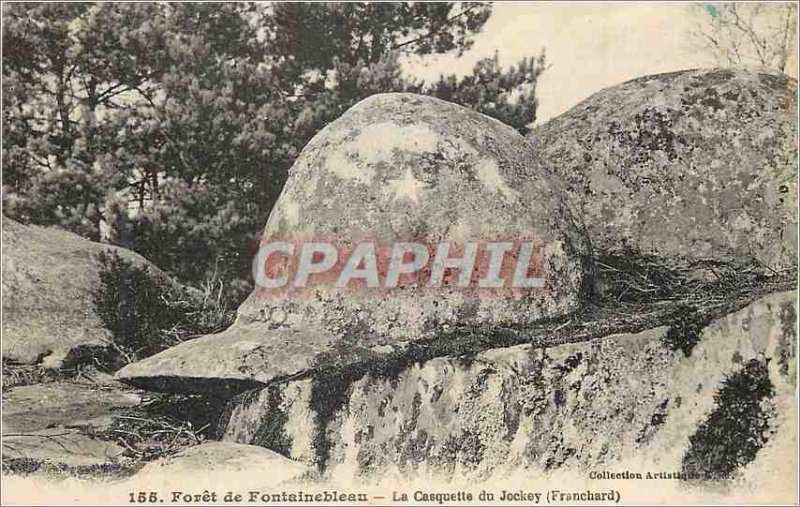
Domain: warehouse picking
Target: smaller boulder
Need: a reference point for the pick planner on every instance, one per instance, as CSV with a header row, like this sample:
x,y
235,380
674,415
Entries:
x,y
212,462
50,279
66,404
63,423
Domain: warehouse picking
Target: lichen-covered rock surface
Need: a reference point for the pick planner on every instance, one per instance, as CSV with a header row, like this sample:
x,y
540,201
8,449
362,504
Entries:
x,y
621,402
691,166
50,278
394,168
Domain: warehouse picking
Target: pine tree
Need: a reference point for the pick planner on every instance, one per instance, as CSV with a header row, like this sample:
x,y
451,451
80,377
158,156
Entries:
x,y
192,113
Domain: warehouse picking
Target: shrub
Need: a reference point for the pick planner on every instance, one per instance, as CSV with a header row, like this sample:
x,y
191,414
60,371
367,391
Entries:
x,y
148,313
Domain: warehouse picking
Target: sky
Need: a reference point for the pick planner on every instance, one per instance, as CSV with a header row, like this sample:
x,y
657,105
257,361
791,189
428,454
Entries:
x,y
589,45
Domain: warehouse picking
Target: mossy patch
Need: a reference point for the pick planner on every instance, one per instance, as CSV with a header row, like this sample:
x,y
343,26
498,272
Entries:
x,y
271,433
788,340
774,81
738,427
329,393
685,331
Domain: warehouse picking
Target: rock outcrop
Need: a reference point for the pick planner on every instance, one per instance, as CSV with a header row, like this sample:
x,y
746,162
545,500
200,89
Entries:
x,y
690,166
63,424
607,404
394,168
50,277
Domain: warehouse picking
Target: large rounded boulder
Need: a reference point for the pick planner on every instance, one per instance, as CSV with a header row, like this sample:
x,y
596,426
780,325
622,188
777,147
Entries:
x,y
408,168
395,170
692,166
51,282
